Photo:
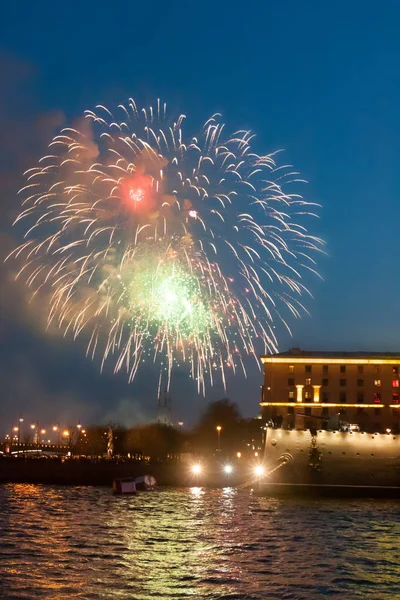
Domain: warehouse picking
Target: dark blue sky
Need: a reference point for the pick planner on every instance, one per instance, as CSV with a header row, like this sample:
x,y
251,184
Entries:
x,y
321,80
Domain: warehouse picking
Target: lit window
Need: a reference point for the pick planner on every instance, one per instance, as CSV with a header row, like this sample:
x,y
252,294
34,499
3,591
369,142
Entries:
x,y
307,395
291,368
377,382
395,383
343,368
291,395
377,397
395,398
308,381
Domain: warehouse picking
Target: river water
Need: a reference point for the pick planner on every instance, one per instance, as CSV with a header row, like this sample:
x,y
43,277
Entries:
x,y
196,543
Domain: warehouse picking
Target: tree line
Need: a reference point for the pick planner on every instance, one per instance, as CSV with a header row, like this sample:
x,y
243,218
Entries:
x,y
157,441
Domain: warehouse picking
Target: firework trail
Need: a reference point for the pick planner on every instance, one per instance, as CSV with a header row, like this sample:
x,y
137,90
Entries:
x,y
164,248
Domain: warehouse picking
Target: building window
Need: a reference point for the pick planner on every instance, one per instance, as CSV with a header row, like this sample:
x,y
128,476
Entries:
x,y
325,368
290,410
395,370
291,368
342,396
360,382
308,368
377,397
360,369
308,381
290,381
325,411
342,382
377,370
395,398
360,410
395,383
307,395
325,382
308,411
377,382
291,395
325,397
360,397
343,368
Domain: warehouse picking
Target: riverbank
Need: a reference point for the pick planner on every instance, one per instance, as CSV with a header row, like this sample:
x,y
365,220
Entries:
x,y
86,472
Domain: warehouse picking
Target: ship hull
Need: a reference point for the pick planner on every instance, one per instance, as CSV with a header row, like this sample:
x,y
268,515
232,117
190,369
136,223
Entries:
x,y
331,463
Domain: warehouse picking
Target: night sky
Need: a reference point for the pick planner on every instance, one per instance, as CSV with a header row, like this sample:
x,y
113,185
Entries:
x,y
320,80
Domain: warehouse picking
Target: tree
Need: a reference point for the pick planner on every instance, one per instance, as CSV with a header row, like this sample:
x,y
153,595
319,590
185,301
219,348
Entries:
x,y
224,414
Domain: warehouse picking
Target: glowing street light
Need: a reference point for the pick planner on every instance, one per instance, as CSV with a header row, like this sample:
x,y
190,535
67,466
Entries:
x,y
259,470
219,437
196,469
228,469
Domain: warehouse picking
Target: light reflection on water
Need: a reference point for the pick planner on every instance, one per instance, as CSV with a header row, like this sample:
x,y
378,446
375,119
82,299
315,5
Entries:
x,y
196,543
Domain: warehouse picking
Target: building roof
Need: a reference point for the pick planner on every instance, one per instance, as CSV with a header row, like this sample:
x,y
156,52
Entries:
x,y
298,355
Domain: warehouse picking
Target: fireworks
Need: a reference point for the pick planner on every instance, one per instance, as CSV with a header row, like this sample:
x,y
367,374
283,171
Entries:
x,y
164,248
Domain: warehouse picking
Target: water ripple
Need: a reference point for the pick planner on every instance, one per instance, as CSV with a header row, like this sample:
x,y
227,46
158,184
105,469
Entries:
x,y
60,543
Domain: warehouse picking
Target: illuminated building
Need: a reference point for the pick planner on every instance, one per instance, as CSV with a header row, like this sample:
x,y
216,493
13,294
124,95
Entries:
x,y
305,389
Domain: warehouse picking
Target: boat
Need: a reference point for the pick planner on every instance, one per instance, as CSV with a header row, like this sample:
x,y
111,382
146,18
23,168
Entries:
x,y
340,463
125,485
146,483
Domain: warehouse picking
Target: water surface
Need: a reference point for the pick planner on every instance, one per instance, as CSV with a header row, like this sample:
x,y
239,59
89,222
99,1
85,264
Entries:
x,y
82,542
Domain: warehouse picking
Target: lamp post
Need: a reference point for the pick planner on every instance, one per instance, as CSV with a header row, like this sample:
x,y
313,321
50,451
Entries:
x,y
19,431
66,436
56,428
219,437
43,431
16,435
35,427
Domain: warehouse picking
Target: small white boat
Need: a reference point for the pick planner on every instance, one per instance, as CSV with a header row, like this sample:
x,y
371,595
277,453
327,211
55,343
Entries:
x,y
124,486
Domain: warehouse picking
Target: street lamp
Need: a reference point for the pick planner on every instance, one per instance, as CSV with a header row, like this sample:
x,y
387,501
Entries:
x,y
66,434
219,437
19,431
36,440
56,429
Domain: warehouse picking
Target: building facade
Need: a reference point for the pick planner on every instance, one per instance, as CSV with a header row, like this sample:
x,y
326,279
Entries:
x,y
323,390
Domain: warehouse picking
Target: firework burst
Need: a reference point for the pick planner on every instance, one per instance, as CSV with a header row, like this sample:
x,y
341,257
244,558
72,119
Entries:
x,y
164,248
